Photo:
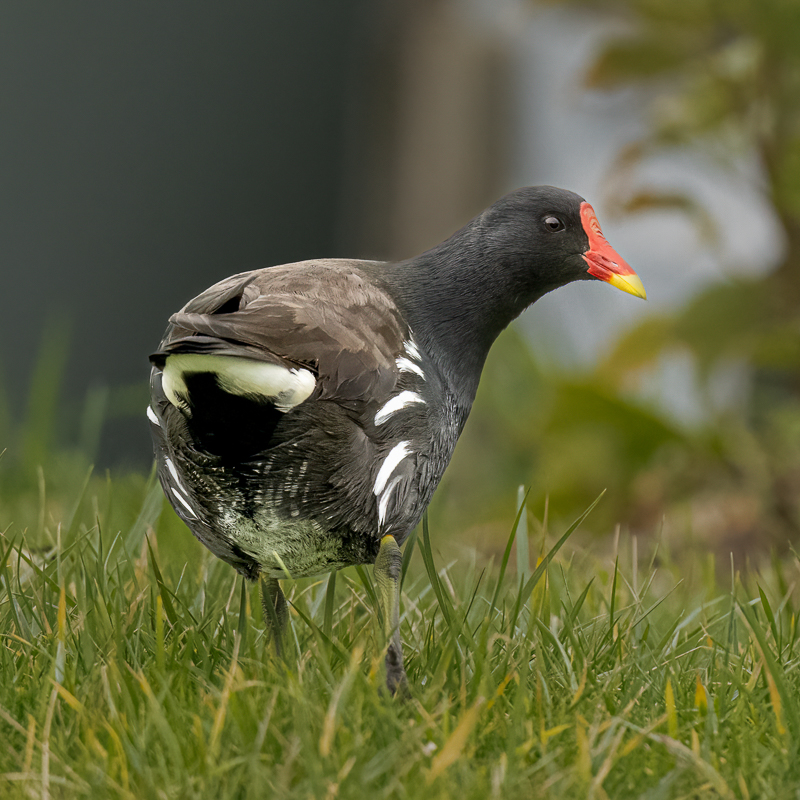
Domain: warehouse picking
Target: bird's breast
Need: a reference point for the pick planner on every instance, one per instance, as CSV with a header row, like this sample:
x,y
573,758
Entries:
x,y
292,547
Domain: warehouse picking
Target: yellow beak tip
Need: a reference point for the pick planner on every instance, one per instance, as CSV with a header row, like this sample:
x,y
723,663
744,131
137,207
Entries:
x,y
630,284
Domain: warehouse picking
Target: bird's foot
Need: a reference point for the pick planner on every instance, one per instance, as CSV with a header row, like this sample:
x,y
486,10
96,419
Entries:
x,y
388,566
396,678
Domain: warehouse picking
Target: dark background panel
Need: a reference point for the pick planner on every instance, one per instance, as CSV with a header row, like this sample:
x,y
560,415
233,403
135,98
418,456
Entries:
x,y
150,149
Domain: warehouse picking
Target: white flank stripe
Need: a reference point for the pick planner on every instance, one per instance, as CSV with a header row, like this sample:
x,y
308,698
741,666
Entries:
x,y
173,471
396,404
383,503
406,365
396,455
411,348
183,501
151,415
287,387
178,490
174,387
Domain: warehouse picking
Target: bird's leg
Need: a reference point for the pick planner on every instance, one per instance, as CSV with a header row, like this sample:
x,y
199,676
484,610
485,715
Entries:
x,y
388,565
276,612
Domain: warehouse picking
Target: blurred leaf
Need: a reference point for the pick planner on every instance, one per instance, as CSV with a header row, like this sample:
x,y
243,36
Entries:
x,y
726,320
632,60
723,321
787,180
636,431
637,348
653,200
499,447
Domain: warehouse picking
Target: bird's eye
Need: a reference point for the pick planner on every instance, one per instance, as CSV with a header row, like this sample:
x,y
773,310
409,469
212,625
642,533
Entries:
x,y
554,224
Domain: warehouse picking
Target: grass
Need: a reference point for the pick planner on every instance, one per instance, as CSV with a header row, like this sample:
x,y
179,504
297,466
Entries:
x,y
133,664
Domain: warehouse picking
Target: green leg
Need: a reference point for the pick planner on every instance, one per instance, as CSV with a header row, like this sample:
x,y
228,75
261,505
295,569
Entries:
x,y
387,575
276,612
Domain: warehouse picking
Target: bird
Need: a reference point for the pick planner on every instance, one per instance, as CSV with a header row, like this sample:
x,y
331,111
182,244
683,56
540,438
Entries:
x,y
303,414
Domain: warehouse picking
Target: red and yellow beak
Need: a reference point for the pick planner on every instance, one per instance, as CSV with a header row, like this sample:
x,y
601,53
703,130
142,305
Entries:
x,y
604,261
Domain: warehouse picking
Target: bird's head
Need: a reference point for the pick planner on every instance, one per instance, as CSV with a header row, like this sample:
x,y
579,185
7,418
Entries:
x,y
554,236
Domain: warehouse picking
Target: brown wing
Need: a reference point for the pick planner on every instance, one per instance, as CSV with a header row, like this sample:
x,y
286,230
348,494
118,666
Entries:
x,y
326,315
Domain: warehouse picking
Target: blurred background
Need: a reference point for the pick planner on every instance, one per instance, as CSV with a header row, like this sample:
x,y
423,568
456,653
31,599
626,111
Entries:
x,y
147,150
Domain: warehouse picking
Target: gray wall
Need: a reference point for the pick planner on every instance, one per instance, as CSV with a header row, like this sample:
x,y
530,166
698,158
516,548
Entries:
x,y
148,149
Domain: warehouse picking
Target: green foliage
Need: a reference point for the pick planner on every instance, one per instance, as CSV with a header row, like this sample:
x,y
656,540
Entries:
x,y
729,69
565,437
130,667
722,79
134,664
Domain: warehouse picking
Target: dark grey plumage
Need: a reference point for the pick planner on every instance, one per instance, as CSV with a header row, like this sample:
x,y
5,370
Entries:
x,y
241,461
304,414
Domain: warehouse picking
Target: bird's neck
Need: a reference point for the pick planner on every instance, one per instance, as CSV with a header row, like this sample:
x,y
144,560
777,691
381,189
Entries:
x,y
457,298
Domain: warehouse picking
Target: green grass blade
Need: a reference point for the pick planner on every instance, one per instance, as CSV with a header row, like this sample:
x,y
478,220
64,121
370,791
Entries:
x,y
613,599
242,626
166,599
573,612
777,673
408,553
540,570
521,535
317,631
369,586
770,616
509,545
150,511
71,522
433,576
330,595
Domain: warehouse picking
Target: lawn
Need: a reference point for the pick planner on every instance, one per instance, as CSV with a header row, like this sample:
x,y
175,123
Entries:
x,y
134,665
